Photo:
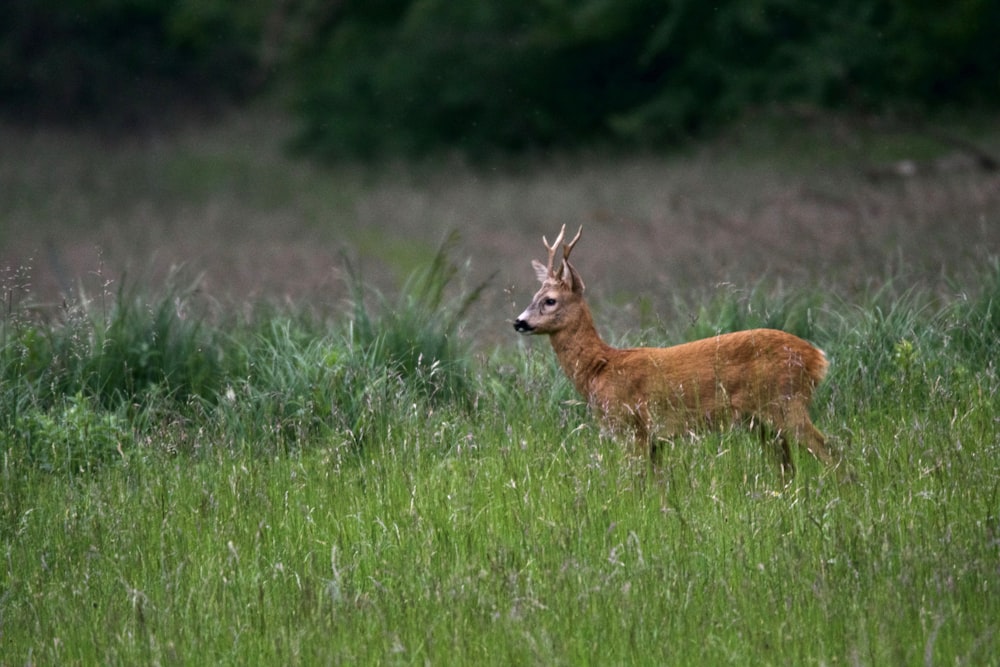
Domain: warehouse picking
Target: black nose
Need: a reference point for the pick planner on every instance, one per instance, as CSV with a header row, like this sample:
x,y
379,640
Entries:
x,y
522,326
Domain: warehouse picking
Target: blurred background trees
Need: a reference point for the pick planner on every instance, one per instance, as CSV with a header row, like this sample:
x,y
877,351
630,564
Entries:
x,y
124,62
376,77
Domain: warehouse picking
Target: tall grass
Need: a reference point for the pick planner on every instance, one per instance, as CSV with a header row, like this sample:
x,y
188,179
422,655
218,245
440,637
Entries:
x,y
317,500
419,335
114,346
165,360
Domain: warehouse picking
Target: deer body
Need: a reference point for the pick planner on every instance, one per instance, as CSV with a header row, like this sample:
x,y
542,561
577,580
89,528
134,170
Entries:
x,y
760,377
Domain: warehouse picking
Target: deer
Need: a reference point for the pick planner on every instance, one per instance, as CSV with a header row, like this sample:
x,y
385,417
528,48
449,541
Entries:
x,y
759,378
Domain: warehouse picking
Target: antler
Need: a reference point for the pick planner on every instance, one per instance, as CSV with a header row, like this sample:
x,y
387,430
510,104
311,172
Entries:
x,y
552,248
568,247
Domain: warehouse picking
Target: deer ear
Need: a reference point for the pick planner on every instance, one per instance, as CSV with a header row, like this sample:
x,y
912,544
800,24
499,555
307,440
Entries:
x,y
541,270
572,278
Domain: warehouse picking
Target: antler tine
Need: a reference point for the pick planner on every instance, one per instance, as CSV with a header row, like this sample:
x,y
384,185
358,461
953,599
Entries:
x,y
568,247
552,248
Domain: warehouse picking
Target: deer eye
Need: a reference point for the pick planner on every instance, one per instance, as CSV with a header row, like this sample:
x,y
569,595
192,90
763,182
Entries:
x,y
550,301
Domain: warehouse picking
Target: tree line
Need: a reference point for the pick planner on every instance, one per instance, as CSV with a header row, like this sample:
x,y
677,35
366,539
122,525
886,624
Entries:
x,y
372,77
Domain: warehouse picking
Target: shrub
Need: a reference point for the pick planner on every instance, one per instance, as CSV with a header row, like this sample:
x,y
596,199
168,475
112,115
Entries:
x,y
74,436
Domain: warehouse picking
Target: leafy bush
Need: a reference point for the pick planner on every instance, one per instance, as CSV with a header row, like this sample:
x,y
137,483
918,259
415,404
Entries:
x,y
74,436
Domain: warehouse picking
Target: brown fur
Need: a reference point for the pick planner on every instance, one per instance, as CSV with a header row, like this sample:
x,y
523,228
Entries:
x,y
757,377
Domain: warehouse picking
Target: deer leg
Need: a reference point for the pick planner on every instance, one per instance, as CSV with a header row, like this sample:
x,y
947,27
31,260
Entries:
x,y
808,436
634,425
642,440
787,465
813,440
777,445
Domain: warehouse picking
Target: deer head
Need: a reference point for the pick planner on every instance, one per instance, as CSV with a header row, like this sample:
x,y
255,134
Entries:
x,y
560,299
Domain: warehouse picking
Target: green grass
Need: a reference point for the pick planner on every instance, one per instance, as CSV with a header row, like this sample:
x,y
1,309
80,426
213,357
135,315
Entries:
x,y
285,490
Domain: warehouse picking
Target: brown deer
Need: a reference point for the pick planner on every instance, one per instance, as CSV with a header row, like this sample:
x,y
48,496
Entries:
x,y
759,377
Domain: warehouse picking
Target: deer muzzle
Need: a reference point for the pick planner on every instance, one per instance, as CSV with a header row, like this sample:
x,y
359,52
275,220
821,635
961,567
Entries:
x,y
522,326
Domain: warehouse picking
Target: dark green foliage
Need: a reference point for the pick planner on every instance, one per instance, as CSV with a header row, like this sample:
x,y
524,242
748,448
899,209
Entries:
x,y
477,75
122,61
494,74
942,53
369,78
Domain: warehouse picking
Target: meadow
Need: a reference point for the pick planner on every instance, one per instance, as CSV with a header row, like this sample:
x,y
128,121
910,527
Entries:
x,y
365,477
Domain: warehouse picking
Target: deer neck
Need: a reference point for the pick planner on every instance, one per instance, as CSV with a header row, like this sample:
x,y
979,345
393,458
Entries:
x,y
581,352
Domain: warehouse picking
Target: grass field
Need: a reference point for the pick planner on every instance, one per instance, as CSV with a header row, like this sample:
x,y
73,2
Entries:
x,y
275,464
